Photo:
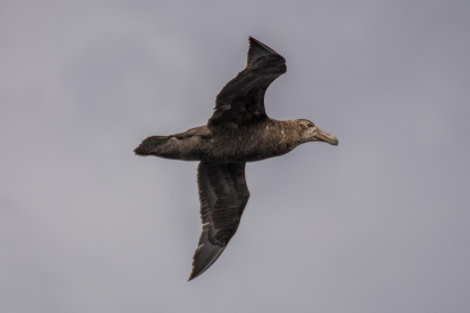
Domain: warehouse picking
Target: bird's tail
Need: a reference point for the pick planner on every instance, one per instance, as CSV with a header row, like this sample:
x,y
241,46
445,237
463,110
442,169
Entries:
x,y
151,145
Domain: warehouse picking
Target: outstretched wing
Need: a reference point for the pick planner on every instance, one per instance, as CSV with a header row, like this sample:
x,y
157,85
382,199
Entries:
x,y
223,194
242,99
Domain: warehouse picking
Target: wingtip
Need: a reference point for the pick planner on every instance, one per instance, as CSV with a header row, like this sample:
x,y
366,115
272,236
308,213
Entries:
x,y
253,41
205,255
257,49
193,275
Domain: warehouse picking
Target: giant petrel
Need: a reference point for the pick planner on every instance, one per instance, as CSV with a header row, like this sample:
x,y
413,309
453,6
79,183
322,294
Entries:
x,y
238,131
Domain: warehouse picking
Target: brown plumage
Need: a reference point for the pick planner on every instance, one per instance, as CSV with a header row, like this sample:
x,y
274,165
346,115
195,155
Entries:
x,y
239,131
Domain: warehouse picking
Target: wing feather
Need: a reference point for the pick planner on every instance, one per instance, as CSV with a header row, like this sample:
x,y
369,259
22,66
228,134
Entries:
x,y
223,194
241,101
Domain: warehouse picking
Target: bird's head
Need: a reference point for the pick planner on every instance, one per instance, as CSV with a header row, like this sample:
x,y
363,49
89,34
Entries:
x,y
310,132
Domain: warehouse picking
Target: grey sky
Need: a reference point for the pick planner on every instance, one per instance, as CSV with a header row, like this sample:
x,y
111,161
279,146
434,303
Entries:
x,y
377,224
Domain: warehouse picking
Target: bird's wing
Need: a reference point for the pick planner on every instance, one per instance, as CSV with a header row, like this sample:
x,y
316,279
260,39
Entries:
x,y
223,194
242,99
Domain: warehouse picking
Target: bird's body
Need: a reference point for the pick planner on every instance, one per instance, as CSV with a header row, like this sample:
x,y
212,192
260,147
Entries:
x,y
239,131
244,144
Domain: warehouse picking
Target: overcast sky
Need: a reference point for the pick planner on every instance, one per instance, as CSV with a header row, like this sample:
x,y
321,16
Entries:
x,y
376,224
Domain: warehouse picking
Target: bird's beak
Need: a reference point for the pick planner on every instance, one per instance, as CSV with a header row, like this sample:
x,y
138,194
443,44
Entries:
x,y
326,137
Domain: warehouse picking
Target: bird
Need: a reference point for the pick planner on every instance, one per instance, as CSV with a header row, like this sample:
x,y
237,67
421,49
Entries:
x,y
238,131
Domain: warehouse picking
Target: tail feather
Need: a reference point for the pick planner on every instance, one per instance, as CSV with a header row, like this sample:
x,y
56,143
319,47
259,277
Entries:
x,y
150,145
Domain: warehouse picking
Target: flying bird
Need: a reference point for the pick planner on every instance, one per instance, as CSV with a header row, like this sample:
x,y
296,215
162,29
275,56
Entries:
x,y
238,131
